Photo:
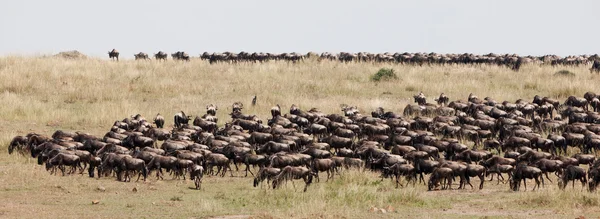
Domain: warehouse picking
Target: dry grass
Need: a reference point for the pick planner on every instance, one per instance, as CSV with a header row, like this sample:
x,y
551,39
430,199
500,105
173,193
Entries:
x,y
45,94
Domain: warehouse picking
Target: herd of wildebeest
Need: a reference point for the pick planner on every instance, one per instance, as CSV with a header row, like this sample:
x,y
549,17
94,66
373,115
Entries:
x,y
448,141
512,61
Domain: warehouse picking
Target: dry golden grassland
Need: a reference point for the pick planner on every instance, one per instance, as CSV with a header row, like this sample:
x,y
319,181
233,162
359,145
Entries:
x,y
46,94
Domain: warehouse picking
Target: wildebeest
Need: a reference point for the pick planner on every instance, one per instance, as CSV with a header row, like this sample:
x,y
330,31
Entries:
x,y
160,56
320,165
159,120
595,67
398,170
441,175
267,173
572,173
523,172
61,160
141,55
289,173
442,100
128,164
180,56
113,54
196,173
19,143
181,119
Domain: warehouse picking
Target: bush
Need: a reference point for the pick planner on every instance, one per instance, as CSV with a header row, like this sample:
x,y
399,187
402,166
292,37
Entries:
x,y
564,73
384,74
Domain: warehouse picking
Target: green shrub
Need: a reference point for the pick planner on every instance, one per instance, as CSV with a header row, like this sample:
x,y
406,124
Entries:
x,y
384,74
564,73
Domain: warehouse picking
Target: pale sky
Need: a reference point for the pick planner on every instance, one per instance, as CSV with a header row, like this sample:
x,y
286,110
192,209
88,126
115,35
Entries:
x,y
30,27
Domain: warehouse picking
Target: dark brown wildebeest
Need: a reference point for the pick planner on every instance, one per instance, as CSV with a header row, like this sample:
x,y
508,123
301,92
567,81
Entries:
x,y
272,147
181,56
181,119
321,165
128,164
398,170
291,173
18,143
204,124
498,170
595,67
267,173
425,167
442,100
338,142
444,175
113,54
523,172
584,158
547,165
316,153
593,177
420,98
259,138
159,120
158,162
572,173
577,102
196,173
219,160
141,55
475,170
254,159
160,56
62,160
132,141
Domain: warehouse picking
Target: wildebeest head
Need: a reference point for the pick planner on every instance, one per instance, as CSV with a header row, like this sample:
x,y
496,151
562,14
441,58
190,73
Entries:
x,y
211,109
276,111
237,107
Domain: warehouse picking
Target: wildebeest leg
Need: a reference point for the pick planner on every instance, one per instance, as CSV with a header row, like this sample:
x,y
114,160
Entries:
x,y
468,180
482,180
248,170
546,173
525,183
81,169
218,170
306,182
139,174
319,180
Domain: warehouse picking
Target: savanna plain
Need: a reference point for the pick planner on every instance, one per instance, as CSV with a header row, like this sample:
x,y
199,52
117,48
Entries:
x,y
44,94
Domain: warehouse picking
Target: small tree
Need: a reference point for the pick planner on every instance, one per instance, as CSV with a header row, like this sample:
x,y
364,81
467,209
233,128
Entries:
x,y
384,74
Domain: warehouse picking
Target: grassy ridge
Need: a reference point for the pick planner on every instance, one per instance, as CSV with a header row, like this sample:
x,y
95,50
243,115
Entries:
x,y
45,94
